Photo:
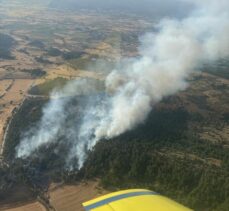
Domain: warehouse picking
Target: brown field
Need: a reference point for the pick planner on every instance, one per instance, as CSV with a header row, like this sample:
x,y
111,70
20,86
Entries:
x,y
104,50
61,198
67,72
34,206
11,99
70,198
17,91
4,85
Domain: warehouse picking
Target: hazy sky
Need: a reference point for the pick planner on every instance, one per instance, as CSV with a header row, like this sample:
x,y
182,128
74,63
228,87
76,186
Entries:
x,y
154,8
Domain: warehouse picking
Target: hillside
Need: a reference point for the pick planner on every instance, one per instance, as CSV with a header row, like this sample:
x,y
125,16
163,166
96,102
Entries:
x,y
180,151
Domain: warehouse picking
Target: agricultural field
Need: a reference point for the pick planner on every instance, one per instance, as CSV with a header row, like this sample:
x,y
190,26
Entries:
x,y
12,97
71,197
35,206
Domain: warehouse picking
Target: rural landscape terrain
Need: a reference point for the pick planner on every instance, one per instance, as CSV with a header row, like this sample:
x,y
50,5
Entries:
x,y
181,150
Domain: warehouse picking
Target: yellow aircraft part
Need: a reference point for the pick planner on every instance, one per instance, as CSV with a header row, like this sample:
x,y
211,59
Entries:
x,y
133,200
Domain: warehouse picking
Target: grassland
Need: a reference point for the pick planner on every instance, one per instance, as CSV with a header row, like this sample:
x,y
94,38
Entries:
x,y
46,87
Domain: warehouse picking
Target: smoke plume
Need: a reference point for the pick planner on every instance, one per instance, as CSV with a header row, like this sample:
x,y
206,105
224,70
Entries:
x,y
166,59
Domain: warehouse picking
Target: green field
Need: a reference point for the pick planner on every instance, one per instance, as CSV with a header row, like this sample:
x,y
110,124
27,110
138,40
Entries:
x,y
47,87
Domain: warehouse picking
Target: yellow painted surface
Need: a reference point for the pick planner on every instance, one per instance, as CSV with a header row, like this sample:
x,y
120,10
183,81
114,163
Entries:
x,y
136,203
104,208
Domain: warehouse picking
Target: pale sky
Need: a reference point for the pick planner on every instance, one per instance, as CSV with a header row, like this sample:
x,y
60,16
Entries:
x,y
154,8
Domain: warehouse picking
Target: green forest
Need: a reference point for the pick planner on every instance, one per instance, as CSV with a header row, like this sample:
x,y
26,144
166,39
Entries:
x,y
163,155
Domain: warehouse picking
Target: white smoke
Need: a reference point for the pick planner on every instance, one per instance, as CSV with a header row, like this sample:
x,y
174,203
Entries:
x,y
166,60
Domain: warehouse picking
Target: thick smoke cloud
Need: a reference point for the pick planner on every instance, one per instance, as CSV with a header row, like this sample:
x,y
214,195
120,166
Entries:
x,y
166,59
